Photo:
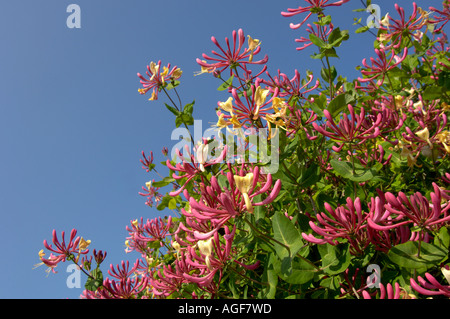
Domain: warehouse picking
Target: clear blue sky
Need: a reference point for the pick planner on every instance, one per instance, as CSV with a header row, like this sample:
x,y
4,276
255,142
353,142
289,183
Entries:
x,y
72,124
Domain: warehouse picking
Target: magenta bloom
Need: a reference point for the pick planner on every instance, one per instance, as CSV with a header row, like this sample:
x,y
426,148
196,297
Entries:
x,y
231,57
442,15
123,289
417,210
316,6
157,78
429,286
387,292
397,29
63,250
217,205
349,129
381,65
346,222
192,165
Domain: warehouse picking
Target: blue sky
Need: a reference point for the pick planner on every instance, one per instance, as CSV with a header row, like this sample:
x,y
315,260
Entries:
x,y
72,124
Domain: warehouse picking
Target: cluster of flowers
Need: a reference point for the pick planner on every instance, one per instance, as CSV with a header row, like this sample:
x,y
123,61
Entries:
x,y
395,122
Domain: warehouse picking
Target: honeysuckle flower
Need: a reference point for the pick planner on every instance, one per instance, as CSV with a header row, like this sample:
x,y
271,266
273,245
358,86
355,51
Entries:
x,y
231,58
147,162
124,289
191,169
243,184
247,110
123,271
349,130
381,65
345,222
386,292
151,193
443,16
157,79
430,286
315,7
396,30
252,45
417,210
63,250
444,139
204,69
217,205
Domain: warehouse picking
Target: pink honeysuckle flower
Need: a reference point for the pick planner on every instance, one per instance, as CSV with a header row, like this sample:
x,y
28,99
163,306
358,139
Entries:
x,y
292,87
147,161
151,193
231,58
170,279
417,210
218,205
349,129
344,222
153,230
386,292
316,6
123,270
62,250
397,29
442,15
124,288
247,110
157,78
430,286
193,165
381,65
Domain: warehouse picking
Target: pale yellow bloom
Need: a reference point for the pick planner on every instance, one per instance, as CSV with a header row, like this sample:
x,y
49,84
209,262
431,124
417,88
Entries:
x,y
260,99
206,248
424,134
444,138
227,106
148,185
154,68
385,21
252,45
83,244
204,69
446,274
154,97
135,223
176,74
202,154
243,184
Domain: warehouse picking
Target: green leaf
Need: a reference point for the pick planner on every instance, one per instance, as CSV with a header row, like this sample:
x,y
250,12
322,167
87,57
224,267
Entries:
x,y
339,103
361,174
172,109
335,259
226,84
317,41
432,93
309,176
94,282
164,182
406,255
189,108
442,238
286,233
